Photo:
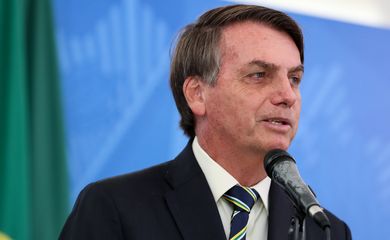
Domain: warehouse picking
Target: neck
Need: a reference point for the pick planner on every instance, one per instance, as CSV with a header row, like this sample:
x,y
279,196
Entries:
x,y
246,166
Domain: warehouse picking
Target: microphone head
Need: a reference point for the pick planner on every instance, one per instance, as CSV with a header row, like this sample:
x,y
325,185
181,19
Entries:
x,y
273,157
280,167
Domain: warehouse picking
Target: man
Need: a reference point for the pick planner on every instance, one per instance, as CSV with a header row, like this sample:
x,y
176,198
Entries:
x,y
235,76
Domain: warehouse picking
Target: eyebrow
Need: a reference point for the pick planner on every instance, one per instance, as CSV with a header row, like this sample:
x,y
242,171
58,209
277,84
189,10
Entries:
x,y
267,65
299,68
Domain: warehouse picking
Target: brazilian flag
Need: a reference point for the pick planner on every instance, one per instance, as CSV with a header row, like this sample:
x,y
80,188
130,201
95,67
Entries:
x,y
33,189
3,236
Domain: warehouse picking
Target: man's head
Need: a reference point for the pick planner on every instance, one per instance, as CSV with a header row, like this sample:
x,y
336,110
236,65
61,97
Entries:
x,y
197,51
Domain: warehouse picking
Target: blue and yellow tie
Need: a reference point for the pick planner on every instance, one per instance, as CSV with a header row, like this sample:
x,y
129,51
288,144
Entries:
x,y
243,199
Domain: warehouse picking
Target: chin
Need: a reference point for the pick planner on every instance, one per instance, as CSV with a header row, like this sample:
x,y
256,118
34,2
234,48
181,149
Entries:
x,y
278,145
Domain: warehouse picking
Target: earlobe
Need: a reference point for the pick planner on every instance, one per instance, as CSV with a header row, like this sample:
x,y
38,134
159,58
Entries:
x,y
193,88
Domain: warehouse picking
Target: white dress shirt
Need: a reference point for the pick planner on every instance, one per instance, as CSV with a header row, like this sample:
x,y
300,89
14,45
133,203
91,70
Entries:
x,y
221,181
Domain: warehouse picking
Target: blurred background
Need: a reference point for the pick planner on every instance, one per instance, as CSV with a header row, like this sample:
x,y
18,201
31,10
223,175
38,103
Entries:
x,y
84,95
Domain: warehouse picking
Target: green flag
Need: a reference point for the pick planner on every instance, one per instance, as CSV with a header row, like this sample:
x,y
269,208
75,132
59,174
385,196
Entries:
x,y
33,189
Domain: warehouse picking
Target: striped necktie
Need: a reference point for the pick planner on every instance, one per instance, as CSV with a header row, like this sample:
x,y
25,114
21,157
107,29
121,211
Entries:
x,y
243,199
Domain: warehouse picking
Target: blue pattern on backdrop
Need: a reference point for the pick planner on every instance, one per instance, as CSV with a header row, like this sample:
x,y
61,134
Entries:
x,y
120,115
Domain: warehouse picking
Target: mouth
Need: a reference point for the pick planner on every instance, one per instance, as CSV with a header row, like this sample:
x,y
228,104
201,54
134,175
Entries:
x,y
278,121
278,124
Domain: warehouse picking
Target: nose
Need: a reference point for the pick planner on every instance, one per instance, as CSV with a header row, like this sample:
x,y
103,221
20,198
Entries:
x,y
285,93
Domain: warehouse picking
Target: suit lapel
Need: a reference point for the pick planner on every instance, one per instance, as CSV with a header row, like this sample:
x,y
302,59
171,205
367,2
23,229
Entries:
x,y
281,211
192,205
190,200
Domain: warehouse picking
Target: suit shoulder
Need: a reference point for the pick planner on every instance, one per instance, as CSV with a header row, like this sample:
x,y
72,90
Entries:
x,y
338,226
148,179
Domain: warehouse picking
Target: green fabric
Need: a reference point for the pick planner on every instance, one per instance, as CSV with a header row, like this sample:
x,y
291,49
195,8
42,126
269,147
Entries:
x,y
33,186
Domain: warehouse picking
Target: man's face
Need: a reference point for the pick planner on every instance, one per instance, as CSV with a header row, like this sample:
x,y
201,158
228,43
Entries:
x,y
256,102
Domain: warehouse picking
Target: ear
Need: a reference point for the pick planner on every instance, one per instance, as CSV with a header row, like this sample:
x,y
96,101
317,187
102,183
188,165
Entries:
x,y
193,89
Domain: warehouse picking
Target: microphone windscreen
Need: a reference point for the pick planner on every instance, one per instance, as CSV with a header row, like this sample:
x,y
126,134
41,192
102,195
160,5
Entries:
x,y
273,157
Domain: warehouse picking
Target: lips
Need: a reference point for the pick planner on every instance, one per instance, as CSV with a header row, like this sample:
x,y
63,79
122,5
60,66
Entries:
x,y
277,124
278,121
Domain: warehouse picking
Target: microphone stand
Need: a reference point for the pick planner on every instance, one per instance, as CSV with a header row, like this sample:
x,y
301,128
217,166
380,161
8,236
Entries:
x,y
297,229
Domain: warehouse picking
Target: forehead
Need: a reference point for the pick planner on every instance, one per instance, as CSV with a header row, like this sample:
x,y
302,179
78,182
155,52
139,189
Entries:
x,y
248,41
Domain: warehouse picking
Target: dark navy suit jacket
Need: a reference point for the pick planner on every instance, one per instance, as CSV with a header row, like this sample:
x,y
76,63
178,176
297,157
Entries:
x,y
171,201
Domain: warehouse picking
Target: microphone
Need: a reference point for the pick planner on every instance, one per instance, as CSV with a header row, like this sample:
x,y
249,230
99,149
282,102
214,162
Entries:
x,y
280,167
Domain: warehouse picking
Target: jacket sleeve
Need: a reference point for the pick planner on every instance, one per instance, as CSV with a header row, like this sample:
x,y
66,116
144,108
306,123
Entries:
x,y
94,216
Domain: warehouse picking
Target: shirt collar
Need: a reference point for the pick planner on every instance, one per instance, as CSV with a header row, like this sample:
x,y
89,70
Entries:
x,y
262,188
219,180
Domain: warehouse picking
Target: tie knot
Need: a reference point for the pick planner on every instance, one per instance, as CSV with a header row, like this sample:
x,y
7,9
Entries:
x,y
243,198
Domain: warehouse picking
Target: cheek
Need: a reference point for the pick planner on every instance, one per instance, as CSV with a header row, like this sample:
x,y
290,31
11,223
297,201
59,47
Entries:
x,y
298,110
228,111
218,106
297,113
298,104
232,104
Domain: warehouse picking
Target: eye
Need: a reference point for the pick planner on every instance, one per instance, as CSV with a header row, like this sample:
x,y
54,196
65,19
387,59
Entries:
x,y
257,75
295,80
